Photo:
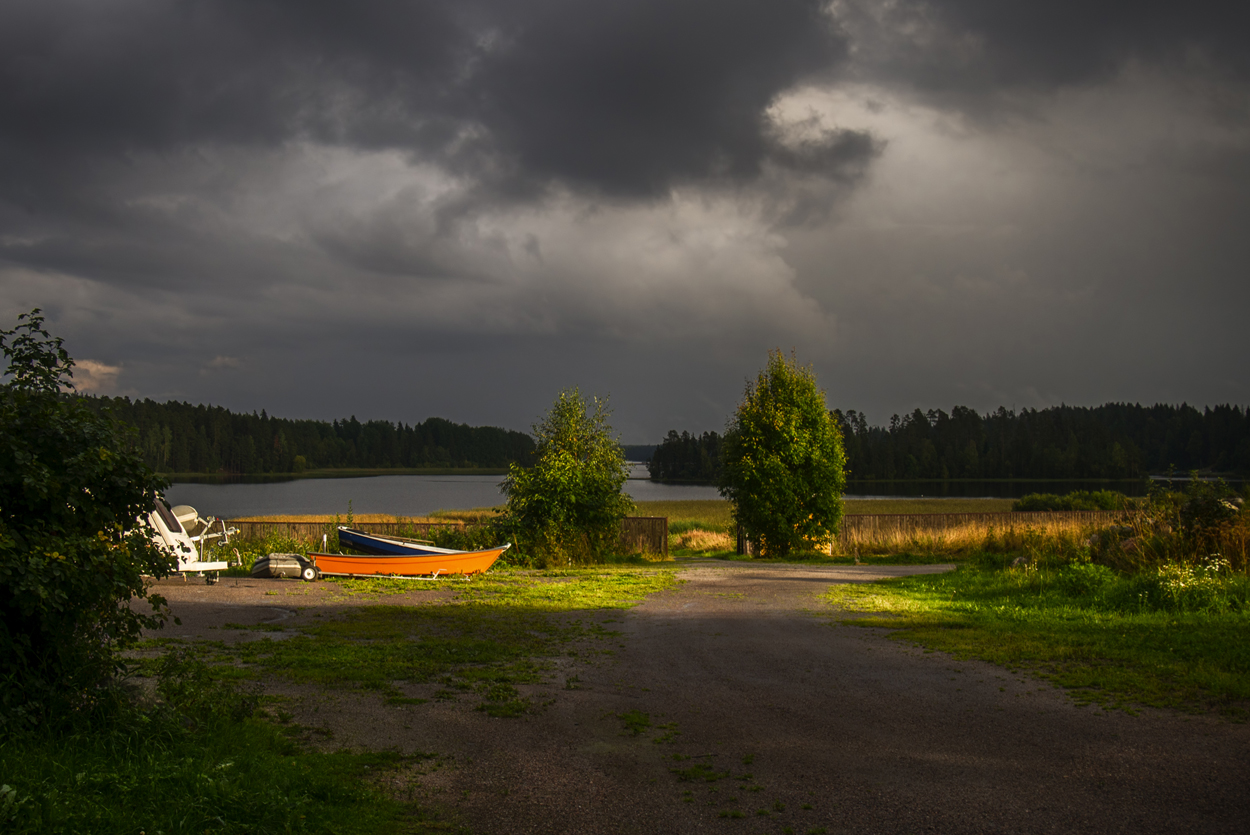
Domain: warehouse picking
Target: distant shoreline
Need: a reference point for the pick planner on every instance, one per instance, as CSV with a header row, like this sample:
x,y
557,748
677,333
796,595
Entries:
x,y
346,472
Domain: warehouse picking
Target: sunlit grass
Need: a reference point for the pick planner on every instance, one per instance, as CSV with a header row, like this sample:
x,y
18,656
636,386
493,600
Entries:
x,y
1102,638
495,633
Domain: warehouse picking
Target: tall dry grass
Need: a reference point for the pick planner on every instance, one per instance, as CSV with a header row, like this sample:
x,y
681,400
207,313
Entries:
x,y
1004,534
702,541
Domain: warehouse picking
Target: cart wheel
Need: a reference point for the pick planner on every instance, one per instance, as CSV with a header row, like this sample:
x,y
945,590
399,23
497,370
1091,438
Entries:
x,y
210,578
309,573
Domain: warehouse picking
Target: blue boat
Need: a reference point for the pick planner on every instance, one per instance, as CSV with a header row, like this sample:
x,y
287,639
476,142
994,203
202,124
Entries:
x,y
387,546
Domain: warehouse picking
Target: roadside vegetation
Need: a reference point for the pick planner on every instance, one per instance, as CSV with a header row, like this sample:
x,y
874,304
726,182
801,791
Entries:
x,y
1154,611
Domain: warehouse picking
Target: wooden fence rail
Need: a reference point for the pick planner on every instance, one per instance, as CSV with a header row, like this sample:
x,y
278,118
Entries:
x,y
310,531
639,534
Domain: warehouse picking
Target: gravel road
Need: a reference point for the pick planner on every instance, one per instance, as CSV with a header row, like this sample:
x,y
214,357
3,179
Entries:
x,y
767,715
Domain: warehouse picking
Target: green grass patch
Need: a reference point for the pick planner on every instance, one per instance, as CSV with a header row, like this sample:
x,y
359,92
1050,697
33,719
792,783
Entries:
x,y
635,722
247,777
712,514
1111,639
493,635
193,759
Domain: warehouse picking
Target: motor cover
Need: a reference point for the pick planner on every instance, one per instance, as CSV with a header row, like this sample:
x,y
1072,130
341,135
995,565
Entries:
x,y
281,565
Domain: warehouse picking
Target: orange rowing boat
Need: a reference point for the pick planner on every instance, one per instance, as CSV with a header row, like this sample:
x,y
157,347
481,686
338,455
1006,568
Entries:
x,y
452,562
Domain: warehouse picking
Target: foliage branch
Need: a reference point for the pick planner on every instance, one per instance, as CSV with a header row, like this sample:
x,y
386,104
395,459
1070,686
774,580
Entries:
x,y
72,552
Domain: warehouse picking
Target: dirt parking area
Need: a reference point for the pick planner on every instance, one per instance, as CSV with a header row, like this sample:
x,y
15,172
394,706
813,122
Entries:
x,y
737,702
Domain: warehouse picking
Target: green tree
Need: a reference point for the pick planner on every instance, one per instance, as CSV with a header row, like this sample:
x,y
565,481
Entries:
x,y
72,552
782,462
567,508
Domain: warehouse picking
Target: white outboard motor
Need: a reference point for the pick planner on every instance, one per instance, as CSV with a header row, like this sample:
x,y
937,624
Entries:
x,y
170,533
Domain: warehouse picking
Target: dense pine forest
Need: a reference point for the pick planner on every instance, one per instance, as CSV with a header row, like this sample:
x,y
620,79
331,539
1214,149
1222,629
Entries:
x,y
1064,442
181,438
686,458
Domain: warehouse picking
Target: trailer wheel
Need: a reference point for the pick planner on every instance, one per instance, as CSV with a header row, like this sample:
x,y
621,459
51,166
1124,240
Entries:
x,y
210,578
309,573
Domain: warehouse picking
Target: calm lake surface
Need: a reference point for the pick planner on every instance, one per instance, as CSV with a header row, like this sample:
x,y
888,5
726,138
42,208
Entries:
x,y
418,495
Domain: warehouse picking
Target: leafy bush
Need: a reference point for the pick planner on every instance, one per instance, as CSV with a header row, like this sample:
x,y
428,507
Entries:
x,y
1076,500
567,508
72,551
782,460
1085,579
467,538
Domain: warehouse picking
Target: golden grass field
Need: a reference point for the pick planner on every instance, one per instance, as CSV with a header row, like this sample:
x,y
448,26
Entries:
x,y
963,537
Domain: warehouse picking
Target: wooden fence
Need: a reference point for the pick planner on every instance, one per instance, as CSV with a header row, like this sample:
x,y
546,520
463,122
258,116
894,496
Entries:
x,y
639,534
309,531
645,535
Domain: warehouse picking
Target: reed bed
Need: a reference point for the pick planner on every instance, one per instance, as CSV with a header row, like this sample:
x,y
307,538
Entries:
x,y
966,533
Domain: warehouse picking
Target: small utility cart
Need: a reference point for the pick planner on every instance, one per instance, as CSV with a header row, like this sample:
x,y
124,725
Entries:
x,y
286,565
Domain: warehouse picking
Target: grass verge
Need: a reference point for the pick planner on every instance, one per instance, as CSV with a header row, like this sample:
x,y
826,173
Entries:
x,y
493,634
1119,641
196,761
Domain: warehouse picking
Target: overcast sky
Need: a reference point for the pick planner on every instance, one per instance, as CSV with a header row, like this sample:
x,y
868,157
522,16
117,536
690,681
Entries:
x,y
409,209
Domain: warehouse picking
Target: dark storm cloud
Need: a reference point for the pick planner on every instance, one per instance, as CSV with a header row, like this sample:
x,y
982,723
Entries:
x,y
988,46
1069,41
631,96
622,97
242,200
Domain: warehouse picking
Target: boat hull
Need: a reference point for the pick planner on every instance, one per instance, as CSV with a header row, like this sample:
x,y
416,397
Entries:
x,y
386,546
414,565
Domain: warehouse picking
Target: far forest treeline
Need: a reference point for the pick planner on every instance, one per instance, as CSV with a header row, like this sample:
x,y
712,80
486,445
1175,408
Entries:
x,y
1064,442
181,438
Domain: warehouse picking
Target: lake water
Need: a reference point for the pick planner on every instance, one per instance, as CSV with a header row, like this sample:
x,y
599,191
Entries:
x,y
397,495
418,495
